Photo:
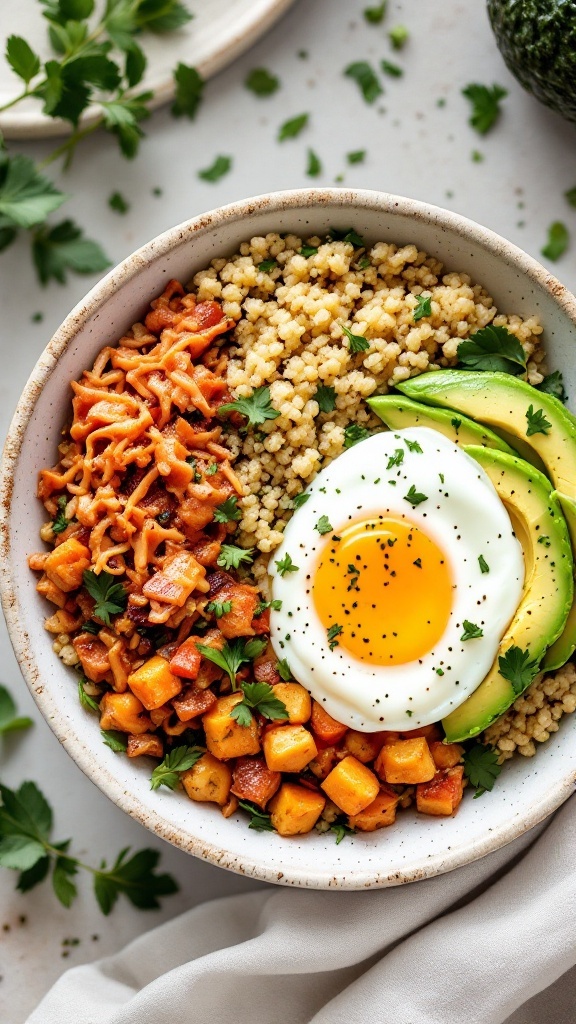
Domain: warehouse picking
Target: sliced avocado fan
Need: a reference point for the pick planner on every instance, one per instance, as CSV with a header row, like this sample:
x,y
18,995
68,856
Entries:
x,y
398,412
546,597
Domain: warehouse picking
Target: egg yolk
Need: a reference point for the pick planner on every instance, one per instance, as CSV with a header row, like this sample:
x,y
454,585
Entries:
x,y
383,590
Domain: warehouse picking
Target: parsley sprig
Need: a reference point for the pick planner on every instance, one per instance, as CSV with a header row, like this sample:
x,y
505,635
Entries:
x,y
493,349
471,630
232,557
257,407
286,564
259,820
485,102
517,668
422,308
326,398
366,79
536,422
233,655
178,760
415,497
356,343
109,595
481,767
323,525
258,697
10,720
228,511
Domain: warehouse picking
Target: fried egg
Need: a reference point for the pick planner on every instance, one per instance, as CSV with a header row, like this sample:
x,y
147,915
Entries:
x,y
397,577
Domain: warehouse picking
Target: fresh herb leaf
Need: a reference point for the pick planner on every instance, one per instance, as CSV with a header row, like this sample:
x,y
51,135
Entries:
x,y
232,557
109,595
228,511
422,308
484,567
10,721
258,697
91,627
85,699
217,170
346,235
356,343
257,407
398,36
396,459
64,870
492,349
262,82
122,118
375,15
354,433
115,740
267,265
26,197
365,77
471,631
476,156
553,384
485,105
263,606
135,65
259,820
60,522
118,203
323,526
331,634
284,670
135,878
25,826
219,608
415,497
292,128
233,655
516,667
341,830
326,398
62,248
300,499
357,156
286,565
308,251
571,196
391,69
481,767
22,58
178,760
413,446
314,166
558,240
189,89
537,422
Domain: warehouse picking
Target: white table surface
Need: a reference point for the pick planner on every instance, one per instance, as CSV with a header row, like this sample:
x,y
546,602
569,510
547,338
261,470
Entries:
x,y
415,148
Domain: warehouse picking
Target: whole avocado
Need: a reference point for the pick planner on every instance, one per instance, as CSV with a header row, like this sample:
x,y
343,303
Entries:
x,y
537,39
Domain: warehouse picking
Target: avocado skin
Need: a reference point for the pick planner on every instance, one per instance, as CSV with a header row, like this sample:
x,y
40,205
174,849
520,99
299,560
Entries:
x,y
537,39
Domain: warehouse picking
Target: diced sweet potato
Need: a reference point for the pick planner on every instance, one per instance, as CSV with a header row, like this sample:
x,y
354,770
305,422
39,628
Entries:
x,y
208,781
238,621
51,592
180,575
296,700
252,780
364,746
442,795
124,712
288,748
351,786
225,738
324,726
93,656
62,622
65,565
378,814
145,745
195,514
295,810
193,702
445,755
429,732
406,761
186,660
389,737
323,763
153,683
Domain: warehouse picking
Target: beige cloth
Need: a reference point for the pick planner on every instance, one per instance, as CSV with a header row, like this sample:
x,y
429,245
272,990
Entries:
x,y
480,945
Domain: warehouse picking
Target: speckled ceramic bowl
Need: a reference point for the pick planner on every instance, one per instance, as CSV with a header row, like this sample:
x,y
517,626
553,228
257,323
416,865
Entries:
x,y
417,846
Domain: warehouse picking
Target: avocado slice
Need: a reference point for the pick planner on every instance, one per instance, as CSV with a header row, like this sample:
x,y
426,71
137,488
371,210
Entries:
x,y
563,648
502,401
548,586
398,412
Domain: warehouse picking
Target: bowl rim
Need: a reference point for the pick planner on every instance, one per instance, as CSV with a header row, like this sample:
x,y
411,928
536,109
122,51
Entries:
x,y
96,298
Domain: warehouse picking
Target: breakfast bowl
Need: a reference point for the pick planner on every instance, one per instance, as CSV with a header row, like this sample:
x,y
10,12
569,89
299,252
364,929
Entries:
x,y
419,846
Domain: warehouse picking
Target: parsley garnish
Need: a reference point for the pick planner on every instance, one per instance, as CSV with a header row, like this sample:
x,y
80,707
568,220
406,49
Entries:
x,y
85,699
189,87
516,667
375,15
314,166
219,608
180,759
258,697
257,407
545,541
109,595
347,235
340,830
553,384
326,398
484,567
212,469
571,196
415,497
323,525
62,248
331,634
22,58
423,307
262,606
217,169
476,156
26,197
300,499
413,446
471,631
232,557
363,262
228,511
308,251
354,433
262,82
558,239
456,423
290,129
60,522
115,740
391,69
10,721
259,820
397,459
267,265
356,343
365,77
493,349
481,767
537,422
118,203
398,36
284,670
233,655
485,105
357,156
286,565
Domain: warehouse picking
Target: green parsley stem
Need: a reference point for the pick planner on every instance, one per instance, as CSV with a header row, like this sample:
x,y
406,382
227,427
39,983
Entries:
x,y
17,99
69,146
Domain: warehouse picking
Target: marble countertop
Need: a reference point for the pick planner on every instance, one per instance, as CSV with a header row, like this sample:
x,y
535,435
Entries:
x,y
415,147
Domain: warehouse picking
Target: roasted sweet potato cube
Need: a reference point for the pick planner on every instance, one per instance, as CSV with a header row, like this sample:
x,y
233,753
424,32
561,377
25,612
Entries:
x,y
296,700
153,683
124,712
445,755
323,763
66,563
238,621
180,575
295,810
193,702
406,761
93,656
208,781
62,622
51,592
186,660
389,737
252,780
351,785
324,726
429,732
442,795
364,746
225,738
288,748
378,814
145,745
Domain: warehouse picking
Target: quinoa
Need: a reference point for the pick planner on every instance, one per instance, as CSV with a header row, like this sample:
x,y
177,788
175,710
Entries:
x,y
535,714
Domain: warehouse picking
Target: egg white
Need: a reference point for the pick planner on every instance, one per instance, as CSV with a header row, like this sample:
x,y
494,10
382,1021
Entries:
x,y
465,518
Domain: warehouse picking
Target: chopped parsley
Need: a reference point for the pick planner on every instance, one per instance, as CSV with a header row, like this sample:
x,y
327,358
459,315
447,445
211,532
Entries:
x,y
117,741
375,15
118,203
178,760
300,499
481,767
340,830
217,170
267,265
233,655
418,563
476,156
346,235
545,541
219,608
109,595
415,497
354,433
85,699
398,36
357,156
413,446
363,262
259,820
485,105
228,511
493,349
516,667
286,564
365,77
553,384
537,422
284,670
263,606
456,423
258,697
484,567
326,398
356,343
423,307
60,522
232,557
331,634
314,165
292,128
308,251
471,631
397,459
558,239
189,86
257,407
262,82
323,526
391,69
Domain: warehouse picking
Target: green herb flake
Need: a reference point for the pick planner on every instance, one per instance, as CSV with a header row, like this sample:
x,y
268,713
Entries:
x,y
292,128
308,251
259,820
117,741
110,596
366,79
258,697
232,557
356,156
341,830
537,422
37,318
10,720
22,59
228,511
314,166
326,398
262,82
481,767
422,308
217,170
492,349
391,69
553,384
485,105
300,499
398,36
354,433
571,196
545,541
484,567
516,667
267,265
178,760
471,631
219,608
396,459
356,343
558,240
476,156
375,15
323,526
415,497
346,235
58,249
233,655
257,407
189,88
118,203
413,446
85,699
284,670
332,633
285,565
60,522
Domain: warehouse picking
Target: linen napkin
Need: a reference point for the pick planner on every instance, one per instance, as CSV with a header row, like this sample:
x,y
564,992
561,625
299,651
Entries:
x,y
475,946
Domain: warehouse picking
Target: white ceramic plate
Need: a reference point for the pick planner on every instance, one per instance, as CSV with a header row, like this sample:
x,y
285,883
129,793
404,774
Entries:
x,y
219,32
417,846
